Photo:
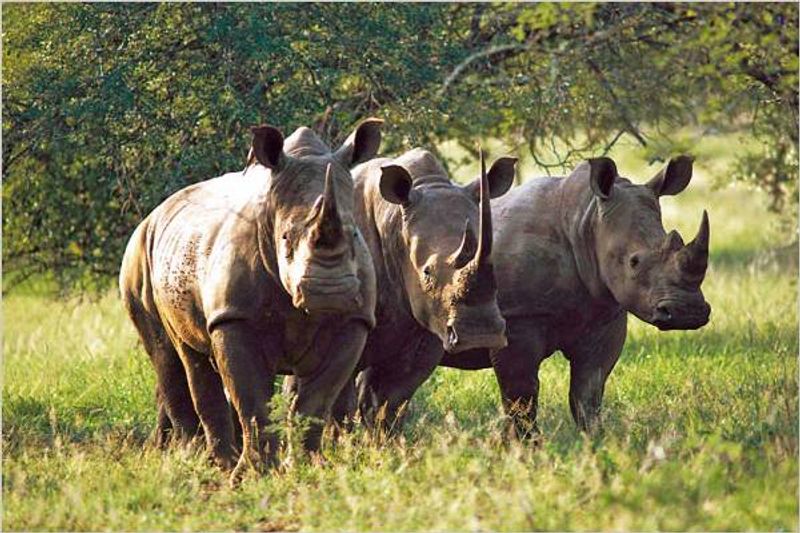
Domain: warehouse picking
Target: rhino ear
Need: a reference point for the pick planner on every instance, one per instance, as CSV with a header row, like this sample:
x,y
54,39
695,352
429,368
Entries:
x,y
673,178
602,173
267,147
362,144
500,178
395,184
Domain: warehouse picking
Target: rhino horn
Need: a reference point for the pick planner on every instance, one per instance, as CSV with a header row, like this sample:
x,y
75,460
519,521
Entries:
x,y
328,224
485,232
698,249
673,242
466,251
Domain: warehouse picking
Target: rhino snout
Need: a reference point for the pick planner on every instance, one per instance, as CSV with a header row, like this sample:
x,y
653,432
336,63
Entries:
x,y
487,333
339,294
673,314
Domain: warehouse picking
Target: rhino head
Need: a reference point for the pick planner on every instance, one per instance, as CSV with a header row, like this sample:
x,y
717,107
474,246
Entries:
x,y
650,272
447,270
310,204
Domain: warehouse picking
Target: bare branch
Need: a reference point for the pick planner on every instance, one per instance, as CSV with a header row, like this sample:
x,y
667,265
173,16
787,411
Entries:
x,y
481,54
613,141
623,111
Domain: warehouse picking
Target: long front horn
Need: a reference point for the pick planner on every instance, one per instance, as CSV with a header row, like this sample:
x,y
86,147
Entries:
x,y
485,221
698,248
329,225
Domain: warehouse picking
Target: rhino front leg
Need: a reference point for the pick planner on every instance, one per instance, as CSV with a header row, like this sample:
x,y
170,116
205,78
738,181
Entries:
x,y
318,389
591,361
517,370
384,388
344,408
243,365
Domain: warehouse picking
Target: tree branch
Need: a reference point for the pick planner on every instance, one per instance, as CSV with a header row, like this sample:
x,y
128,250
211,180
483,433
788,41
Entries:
x,y
623,111
481,54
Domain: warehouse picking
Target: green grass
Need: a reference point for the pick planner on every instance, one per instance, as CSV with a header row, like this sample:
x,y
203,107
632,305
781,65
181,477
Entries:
x,y
700,428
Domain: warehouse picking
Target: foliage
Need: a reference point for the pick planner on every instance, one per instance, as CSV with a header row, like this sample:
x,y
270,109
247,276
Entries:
x,y
108,108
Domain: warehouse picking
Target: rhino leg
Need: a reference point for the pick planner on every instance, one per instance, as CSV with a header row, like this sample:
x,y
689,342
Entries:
x,y
243,364
177,418
344,408
163,423
211,405
384,388
591,361
318,390
517,370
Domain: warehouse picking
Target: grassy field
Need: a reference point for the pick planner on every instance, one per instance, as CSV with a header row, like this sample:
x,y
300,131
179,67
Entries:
x,y
700,428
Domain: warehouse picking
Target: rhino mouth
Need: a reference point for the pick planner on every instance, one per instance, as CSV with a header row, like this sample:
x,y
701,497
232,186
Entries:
x,y
672,315
460,338
329,284
319,294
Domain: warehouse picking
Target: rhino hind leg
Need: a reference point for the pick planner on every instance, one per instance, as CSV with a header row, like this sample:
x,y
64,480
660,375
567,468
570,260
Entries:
x,y
163,432
517,370
210,403
177,419
591,361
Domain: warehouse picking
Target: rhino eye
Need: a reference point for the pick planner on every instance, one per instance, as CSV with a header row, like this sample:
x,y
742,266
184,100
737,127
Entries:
x,y
427,278
287,248
634,261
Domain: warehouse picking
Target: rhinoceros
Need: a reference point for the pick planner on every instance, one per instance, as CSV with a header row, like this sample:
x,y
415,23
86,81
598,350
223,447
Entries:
x,y
253,274
573,256
431,243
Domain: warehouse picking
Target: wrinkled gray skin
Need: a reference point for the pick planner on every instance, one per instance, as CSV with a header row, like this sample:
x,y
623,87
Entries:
x,y
430,240
573,257
256,273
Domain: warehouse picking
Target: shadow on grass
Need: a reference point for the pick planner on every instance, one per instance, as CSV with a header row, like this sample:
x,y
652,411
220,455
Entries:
x,y
29,421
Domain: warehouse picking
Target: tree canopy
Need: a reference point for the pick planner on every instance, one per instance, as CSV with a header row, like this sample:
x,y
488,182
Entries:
x,y
110,107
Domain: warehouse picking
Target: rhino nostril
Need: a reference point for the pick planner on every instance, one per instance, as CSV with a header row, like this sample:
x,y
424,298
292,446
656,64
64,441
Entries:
x,y
452,336
663,312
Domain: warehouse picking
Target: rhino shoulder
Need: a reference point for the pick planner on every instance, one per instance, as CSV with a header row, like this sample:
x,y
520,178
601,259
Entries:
x,y
234,283
203,251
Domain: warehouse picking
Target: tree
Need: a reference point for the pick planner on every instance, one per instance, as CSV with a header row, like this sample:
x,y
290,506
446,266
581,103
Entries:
x,y
109,108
